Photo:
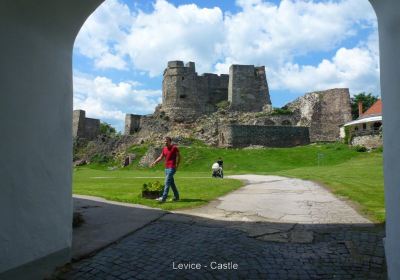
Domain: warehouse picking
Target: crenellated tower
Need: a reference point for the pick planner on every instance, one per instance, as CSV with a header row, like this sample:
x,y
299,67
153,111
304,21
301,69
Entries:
x,y
248,88
186,95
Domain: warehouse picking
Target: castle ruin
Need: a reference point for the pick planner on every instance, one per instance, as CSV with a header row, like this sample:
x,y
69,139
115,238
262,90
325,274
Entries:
x,y
235,110
83,127
187,96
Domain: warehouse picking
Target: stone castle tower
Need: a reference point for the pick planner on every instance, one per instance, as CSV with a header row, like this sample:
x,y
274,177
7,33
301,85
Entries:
x,y
186,95
248,88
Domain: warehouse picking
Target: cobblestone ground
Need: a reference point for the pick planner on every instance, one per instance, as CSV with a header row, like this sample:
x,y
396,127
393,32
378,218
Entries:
x,y
336,252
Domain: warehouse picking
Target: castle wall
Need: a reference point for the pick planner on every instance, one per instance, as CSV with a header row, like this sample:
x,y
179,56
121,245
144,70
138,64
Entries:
x,y
78,123
83,127
132,123
248,88
187,96
211,89
269,136
324,112
180,98
92,128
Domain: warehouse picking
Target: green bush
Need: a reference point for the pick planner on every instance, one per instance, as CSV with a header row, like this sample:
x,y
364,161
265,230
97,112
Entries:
x,y
101,159
223,105
262,114
379,149
360,148
347,135
281,111
153,187
107,129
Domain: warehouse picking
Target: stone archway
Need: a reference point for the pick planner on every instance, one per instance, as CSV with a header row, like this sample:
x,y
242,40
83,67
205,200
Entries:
x,y
36,110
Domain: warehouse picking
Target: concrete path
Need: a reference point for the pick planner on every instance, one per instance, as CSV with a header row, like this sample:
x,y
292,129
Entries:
x,y
272,228
280,199
276,205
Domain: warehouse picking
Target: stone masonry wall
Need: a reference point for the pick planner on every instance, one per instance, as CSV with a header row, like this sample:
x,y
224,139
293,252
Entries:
x,y
186,96
83,127
180,98
269,136
248,88
132,123
92,128
368,141
324,112
78,123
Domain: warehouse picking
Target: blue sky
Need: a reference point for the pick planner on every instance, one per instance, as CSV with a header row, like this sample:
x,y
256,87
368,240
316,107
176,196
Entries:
x,y
123,48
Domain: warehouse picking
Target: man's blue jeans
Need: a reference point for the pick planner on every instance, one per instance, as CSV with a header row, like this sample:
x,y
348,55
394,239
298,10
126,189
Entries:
x,y
169,182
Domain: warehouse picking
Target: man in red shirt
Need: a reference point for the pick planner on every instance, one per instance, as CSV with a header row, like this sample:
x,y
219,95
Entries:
x,y
172,160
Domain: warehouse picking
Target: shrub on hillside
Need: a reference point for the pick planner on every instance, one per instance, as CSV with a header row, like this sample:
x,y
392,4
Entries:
x,y
107,129
100,159
360,148
223,105
281,111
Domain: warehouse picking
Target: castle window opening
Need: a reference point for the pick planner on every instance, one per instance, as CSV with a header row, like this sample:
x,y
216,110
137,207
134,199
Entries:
x,y
364,126
182,96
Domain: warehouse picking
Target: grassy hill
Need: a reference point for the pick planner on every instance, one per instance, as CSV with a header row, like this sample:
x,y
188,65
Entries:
x,y
354,175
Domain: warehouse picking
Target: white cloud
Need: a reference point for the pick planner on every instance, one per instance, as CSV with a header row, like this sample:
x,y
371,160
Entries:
x,y
274,35
102,32
168,33
356,68
101,98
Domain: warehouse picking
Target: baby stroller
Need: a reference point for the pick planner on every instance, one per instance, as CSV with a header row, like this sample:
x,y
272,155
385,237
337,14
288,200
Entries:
x,y
217,171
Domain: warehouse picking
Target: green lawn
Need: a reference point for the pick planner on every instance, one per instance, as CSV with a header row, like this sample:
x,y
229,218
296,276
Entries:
x,y
126,185
348,173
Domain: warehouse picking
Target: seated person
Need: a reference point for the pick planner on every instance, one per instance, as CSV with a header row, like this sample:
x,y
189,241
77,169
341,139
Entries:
x,y
220,162
217,170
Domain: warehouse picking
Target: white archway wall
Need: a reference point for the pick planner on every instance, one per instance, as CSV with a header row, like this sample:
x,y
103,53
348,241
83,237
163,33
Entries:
x,y
37,38
388,13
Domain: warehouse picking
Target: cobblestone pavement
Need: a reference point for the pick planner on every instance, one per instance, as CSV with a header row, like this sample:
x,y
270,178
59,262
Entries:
x,y
154,251
225,240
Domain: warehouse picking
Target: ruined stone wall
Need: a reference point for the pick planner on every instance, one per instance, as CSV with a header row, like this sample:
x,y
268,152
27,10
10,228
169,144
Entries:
x,y
269,136
78,123
368,141
132,123
278,120
186,95
248,88
180,98
211,89
92,128
324,112
83,127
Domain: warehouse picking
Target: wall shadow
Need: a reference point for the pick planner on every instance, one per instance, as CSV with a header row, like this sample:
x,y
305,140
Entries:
x,y
166,245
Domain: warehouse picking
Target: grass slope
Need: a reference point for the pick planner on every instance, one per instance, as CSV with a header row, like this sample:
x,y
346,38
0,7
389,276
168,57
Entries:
x,y
348,173
126,186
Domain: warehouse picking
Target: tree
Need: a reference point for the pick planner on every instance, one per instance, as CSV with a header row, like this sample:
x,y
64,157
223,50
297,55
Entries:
x,y
107,129
367,101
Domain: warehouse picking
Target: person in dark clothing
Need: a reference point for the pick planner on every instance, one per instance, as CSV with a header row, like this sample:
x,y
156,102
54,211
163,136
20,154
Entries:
x,y
220,162
218,169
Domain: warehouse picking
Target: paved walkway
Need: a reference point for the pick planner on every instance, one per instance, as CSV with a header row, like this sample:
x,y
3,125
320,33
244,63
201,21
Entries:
x,y
273,228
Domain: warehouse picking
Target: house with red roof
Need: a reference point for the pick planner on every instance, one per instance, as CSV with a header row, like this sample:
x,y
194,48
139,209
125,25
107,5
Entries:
x,y
367,129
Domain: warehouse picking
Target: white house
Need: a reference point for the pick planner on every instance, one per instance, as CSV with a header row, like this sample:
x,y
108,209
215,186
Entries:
x,y
367,129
